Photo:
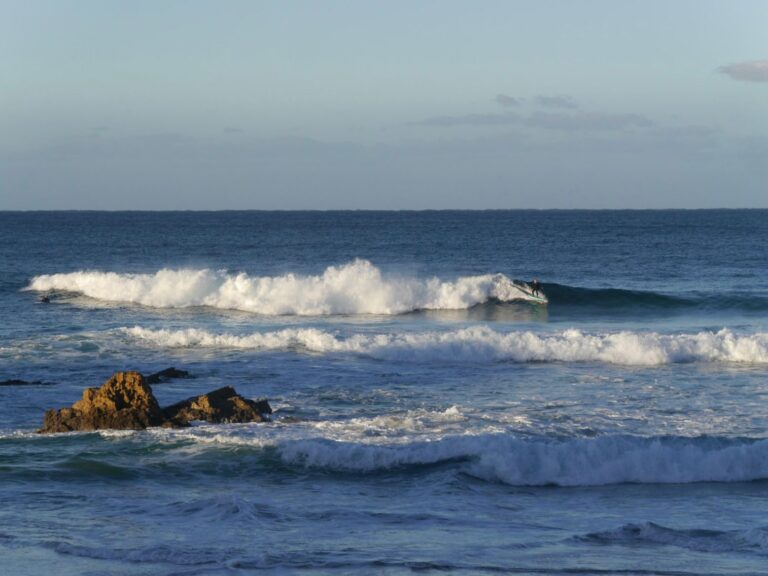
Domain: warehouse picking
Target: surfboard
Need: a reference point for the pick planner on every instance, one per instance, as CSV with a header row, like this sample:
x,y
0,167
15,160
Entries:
x,y
530,296
538,299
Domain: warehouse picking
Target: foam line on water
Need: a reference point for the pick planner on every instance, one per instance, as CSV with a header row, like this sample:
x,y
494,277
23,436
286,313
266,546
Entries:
x,y
482,344
357,287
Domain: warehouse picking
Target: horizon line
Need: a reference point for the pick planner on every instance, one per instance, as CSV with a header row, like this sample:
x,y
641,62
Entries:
x,y
219,210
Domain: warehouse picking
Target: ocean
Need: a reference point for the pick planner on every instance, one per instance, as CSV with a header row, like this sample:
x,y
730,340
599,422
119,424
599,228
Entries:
x,y
426,420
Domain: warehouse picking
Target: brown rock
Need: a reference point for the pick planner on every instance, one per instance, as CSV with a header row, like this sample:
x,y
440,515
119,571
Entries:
x,y
125,401
220,406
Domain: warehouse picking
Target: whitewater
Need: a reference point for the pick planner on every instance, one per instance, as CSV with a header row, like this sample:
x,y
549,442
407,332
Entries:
x,y
357,287
428,415
482,344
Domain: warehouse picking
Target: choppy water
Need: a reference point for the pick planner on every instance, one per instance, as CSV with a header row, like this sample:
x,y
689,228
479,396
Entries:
x,y
428,418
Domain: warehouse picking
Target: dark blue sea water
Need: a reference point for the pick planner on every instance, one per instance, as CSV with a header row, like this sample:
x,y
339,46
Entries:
x,y
428,417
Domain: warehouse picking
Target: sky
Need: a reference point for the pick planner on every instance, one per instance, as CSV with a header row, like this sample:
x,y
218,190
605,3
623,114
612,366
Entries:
x,y
248,104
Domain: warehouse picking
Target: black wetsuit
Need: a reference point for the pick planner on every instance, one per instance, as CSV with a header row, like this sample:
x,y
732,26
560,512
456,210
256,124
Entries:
x,y
535,287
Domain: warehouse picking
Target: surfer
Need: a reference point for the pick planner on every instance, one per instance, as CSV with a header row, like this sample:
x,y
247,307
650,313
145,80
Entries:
x,y
535,287
45,300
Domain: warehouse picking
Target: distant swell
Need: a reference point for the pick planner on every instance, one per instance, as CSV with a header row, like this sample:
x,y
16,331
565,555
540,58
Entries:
x,y
574,462
482,344
633,301
354,288
753,540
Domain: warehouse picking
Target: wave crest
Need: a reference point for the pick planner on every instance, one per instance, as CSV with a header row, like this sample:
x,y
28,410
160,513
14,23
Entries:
x,y
482,344
574,462
357,287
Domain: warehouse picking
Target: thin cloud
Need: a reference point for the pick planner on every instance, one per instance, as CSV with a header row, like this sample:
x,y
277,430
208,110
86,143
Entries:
x,y
507,101
470,120
554,121
565,102
754,71
587,122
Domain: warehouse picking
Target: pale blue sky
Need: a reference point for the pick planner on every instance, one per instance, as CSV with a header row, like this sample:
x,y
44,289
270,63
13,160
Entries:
x,y
442,104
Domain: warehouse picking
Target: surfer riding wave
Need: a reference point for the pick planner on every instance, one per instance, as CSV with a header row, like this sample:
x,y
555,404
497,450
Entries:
x,y
532,290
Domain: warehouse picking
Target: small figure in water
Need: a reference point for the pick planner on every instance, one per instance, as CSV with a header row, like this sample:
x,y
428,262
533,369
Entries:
x,y
45,299
535,287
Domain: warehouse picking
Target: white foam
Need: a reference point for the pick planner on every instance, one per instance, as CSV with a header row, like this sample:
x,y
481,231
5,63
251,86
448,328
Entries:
x,y
483,344
392,428
358,287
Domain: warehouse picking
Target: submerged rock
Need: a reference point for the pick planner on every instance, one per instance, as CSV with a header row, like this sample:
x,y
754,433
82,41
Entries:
x,y
126,402
16,382
167,374
220,406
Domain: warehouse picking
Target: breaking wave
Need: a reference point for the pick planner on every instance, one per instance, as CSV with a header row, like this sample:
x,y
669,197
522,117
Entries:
x,y
424,439
417,440
482,344
358,287
574,462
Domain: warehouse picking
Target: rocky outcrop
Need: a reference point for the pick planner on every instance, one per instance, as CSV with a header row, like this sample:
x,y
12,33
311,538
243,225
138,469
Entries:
x,y
126,402
220,406
167,374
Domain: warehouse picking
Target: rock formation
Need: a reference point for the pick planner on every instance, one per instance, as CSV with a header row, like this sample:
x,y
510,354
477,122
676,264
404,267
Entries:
x,y
222,405
126,402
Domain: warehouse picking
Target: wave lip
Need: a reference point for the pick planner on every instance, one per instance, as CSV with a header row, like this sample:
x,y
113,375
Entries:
x,y
357,287
482,344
